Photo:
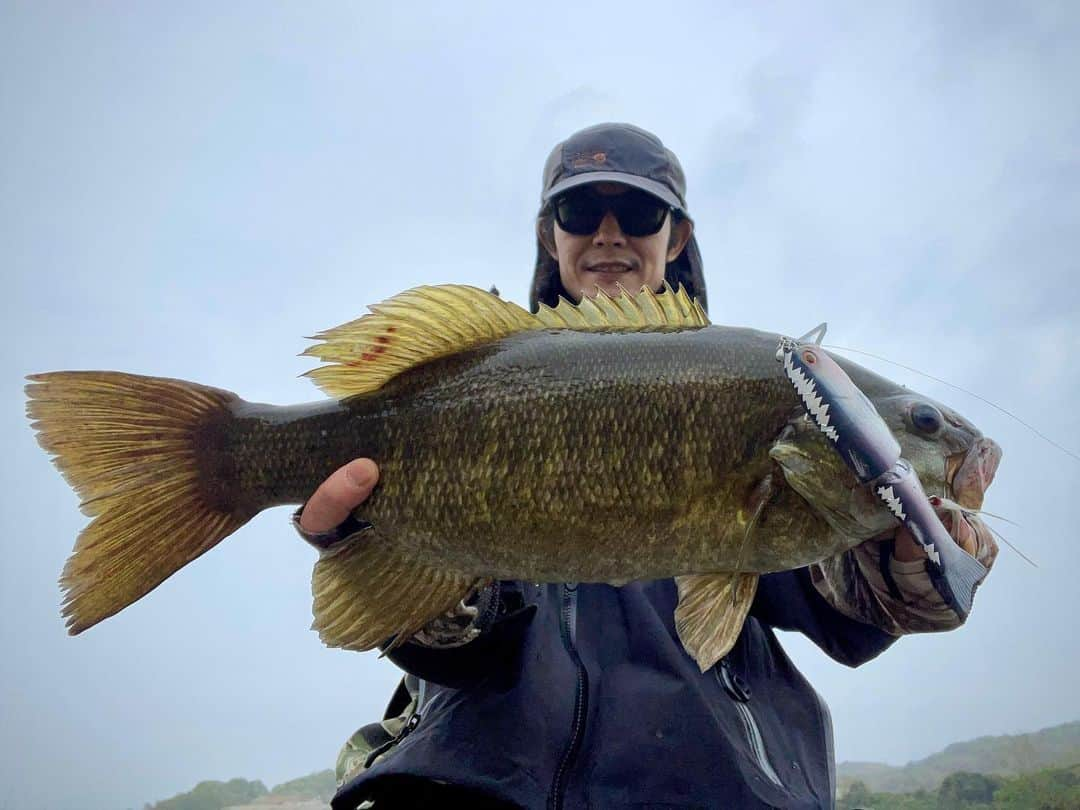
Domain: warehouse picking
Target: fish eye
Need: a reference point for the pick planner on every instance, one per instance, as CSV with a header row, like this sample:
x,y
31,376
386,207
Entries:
x,y
926,418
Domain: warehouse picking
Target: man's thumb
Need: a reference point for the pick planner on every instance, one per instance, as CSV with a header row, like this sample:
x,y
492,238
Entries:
x,y
345,489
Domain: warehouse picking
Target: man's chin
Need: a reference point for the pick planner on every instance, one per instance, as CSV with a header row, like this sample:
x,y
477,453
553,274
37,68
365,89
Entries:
x,y
611,284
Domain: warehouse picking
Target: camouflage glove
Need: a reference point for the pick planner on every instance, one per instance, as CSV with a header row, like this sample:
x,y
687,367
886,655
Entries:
x,y
463,623
870,585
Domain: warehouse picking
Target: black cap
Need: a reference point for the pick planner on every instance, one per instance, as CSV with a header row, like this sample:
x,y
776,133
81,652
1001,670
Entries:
x,y
616,153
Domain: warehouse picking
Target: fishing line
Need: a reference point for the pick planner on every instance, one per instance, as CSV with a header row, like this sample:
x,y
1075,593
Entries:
x,y
997,517
977,512
1001,537
1013,416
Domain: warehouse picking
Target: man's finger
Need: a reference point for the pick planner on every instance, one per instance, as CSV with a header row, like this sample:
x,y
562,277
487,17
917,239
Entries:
x,y
964,535
345,489
959,527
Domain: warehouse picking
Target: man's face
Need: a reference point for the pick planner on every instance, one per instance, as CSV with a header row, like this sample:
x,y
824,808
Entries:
x,y
608,257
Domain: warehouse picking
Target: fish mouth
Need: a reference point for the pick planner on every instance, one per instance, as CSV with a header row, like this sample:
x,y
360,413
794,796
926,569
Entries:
x,y
970,473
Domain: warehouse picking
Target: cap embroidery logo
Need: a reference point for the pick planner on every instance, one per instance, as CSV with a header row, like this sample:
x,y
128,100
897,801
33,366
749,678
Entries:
x,y
580,161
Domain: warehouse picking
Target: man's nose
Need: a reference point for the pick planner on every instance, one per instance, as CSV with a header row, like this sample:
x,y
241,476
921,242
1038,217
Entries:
x,y
608,232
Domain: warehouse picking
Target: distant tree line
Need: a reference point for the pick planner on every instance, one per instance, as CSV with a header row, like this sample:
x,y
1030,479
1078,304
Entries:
x,y
1049,789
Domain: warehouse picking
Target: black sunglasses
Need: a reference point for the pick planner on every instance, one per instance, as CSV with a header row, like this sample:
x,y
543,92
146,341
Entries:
x,y
581,210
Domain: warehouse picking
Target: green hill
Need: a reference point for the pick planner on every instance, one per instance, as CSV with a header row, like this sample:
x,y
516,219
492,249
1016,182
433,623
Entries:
x,y
1055,747
212,795
311,791
315,785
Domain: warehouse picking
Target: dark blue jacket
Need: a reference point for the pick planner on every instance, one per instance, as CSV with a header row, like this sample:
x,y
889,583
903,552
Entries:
x,y
583,697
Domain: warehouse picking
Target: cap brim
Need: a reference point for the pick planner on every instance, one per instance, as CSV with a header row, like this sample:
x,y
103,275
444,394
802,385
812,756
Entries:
x,y
643,183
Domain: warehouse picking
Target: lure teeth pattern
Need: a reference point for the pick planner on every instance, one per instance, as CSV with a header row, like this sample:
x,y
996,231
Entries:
x,y
892,501
897,508
804,387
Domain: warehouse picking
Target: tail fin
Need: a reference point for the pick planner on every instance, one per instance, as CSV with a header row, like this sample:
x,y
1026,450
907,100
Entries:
x,y
140,453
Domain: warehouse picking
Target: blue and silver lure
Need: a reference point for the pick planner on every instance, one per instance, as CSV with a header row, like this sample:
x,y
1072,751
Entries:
x,y
858,433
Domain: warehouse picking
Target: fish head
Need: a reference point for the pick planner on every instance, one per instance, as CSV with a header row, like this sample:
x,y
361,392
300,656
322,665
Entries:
x,y
952,458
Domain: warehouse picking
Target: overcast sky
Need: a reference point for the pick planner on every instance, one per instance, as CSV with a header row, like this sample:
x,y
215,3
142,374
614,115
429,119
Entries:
x,y
187,189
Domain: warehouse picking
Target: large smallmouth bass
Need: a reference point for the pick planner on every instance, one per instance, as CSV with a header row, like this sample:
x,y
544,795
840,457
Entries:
x,y
609,441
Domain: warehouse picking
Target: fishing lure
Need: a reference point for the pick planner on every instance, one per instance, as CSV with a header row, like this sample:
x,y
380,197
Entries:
x,y
857,432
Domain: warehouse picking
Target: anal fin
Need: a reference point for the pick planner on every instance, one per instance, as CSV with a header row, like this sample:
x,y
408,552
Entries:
x,y
366,593
711,612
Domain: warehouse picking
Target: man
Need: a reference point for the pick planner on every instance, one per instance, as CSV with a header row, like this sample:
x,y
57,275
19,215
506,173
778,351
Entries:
x,y
581,695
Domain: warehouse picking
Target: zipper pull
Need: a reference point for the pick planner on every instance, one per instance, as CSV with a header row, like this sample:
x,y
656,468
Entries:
x,y
378,751
734,683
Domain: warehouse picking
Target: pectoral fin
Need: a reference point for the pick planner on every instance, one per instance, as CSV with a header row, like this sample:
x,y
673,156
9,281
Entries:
x,y
367,592
711,612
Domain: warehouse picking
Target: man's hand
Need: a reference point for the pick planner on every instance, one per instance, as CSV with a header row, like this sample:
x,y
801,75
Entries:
x,y
345,489
963,531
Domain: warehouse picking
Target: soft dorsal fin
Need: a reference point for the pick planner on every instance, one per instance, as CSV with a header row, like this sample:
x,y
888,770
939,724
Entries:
x,y
426,323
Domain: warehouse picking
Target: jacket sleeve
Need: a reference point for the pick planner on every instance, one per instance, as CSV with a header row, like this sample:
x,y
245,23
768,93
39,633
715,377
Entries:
x,y
788,600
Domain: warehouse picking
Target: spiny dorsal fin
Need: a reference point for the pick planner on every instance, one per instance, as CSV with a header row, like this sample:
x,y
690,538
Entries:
x,y
426,323
629,311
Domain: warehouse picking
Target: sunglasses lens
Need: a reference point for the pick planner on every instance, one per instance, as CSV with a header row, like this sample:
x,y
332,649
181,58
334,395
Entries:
x,y
640,214
581,211
578,213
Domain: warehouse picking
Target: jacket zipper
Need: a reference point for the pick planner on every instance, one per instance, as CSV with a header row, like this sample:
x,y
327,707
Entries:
x,y
568,630
740,696
409,727
406,729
